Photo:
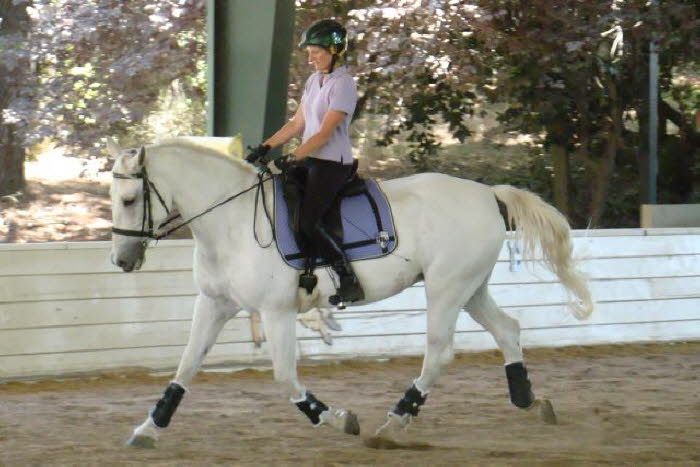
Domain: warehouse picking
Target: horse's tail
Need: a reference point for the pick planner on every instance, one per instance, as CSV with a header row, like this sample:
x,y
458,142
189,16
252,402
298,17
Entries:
x,y
538,222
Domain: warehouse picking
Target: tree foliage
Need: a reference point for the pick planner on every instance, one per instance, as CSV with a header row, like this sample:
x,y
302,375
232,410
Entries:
x,y
102,65
574,71
579,71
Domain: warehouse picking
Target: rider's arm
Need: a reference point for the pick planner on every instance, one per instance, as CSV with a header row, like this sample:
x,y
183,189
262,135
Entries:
x,y
330,121
289,130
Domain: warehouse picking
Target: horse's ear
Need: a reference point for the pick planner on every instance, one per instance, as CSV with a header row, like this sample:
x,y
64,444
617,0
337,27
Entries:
x,y
142,155
236,147
113,149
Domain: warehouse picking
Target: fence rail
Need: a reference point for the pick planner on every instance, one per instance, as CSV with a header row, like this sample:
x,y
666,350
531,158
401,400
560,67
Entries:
x,y
65,309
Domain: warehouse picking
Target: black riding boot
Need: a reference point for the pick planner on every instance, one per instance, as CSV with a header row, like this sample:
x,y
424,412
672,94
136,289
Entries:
x,y
350,289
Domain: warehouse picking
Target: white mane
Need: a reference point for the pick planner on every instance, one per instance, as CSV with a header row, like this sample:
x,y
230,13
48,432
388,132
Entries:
x,y
228,149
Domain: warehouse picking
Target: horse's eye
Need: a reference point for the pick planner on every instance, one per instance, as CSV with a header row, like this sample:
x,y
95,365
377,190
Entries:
x,y
129,202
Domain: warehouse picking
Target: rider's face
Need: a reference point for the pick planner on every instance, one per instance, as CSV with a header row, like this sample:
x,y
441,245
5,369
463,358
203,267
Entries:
x,y
319,57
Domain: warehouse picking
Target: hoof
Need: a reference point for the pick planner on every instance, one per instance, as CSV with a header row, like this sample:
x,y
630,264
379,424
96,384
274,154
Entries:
x,y
352,424
342,420
393,428
547,412
141,441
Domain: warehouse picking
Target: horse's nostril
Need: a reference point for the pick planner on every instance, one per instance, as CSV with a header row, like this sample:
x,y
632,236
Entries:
x,y
121,263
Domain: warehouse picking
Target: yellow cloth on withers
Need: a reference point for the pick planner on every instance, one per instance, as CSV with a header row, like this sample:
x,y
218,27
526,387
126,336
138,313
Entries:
x,y
231,146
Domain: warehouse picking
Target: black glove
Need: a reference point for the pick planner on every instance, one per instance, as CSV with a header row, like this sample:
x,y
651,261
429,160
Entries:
x,y
285,162
258,154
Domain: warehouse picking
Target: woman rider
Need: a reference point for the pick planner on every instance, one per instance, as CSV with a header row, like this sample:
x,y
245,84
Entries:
x,y
324,116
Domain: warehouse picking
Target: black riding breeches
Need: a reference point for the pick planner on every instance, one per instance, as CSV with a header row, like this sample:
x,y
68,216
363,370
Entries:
x,y
323,182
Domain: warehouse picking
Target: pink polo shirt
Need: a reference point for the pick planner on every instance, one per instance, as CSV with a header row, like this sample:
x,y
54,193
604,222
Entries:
x,y
338,92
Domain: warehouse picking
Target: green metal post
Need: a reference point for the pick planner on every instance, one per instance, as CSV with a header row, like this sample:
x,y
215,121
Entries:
x,y
249,47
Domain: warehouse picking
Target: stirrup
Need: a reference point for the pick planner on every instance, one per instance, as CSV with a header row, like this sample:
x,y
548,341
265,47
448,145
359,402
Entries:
x,y
337,301
349,291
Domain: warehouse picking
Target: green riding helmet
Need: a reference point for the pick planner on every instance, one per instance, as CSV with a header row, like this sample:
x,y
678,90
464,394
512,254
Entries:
x,y
326,33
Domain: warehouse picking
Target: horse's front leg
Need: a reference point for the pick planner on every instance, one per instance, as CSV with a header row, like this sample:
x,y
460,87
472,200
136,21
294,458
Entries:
x,y
210,314
280,327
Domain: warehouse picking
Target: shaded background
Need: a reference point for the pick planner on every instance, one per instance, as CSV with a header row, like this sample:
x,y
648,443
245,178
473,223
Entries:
x,y
534,94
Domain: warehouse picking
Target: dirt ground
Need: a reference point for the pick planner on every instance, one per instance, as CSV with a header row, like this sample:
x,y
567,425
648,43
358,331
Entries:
x,y
65,210
635,404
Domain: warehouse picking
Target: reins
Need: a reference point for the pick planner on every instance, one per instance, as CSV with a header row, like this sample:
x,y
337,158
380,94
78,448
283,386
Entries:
x,y
267,213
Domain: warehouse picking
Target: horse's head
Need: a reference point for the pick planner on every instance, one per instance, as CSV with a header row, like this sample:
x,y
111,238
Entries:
x,y
135,215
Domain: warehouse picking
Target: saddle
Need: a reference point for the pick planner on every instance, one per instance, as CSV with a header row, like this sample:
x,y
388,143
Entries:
x,y
294,183
359,219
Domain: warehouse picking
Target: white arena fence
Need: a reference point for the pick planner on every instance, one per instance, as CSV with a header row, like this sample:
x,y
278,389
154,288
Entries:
x,y
65,309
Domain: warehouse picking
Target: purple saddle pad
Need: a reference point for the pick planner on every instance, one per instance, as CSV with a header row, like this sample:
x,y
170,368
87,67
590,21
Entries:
x,y
368,226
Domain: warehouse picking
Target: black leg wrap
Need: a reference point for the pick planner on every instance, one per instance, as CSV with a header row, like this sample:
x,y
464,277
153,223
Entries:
x,y
166,406
519,386
312,407
411,402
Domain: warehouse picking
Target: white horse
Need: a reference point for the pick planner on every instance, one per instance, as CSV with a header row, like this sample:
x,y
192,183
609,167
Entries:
x,y
450,230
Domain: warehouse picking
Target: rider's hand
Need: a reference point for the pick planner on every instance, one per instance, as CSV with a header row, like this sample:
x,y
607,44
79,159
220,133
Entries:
x,y
258,154
285,162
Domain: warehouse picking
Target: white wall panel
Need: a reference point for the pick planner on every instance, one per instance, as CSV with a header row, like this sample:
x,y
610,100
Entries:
x,y
64,308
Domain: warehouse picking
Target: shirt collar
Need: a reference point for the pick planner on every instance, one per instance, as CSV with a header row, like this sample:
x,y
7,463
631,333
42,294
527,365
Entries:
x,y
337,72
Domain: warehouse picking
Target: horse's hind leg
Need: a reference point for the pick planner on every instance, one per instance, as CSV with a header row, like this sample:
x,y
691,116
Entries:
x,y
506,331
280,327
209,317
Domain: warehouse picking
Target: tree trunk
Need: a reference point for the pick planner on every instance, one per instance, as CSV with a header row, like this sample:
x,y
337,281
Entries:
x,y
560,164
639,61
643,151
11,162
678,153
601,185
14,26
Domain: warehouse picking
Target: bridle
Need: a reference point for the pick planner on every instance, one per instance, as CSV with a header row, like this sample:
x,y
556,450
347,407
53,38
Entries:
x,y
147,218
147,231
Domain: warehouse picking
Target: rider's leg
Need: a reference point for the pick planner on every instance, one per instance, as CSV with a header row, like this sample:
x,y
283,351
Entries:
x,y
324,181
350,288
209,317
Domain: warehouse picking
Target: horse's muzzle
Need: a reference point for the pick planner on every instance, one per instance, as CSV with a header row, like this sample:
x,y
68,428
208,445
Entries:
x,y
129,261
126,267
